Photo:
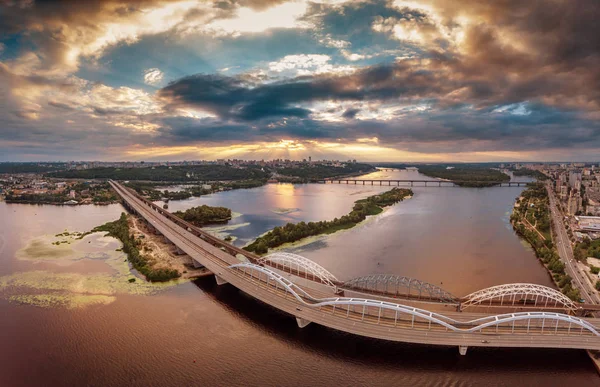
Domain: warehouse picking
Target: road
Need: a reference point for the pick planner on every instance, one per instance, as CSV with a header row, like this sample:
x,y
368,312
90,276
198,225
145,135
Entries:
x,y
565,250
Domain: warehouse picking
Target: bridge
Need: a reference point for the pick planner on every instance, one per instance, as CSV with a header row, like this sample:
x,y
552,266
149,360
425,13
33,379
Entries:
x,y
385,307
425,183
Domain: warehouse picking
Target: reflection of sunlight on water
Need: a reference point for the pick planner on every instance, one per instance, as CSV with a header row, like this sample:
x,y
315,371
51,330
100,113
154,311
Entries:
x,y
284,196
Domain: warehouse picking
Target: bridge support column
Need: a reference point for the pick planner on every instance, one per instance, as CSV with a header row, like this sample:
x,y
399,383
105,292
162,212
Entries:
x,y
302,322
220,281
462,349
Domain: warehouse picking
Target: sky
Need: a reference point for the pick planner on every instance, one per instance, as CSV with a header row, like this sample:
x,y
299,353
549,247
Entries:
x,y
373,80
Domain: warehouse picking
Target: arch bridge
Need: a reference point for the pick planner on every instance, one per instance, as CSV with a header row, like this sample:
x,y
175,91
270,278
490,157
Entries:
x,y
302,295
519,294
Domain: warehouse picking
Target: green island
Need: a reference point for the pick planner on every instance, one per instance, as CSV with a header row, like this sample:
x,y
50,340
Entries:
x,y
293,232
465,175
120,229
204,215
531,220
529,172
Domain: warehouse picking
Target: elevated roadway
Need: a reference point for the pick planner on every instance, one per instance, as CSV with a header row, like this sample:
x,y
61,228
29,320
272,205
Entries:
x,y
313,295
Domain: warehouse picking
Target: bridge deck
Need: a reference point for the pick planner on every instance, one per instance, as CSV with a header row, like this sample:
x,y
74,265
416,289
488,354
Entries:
x,y
219,262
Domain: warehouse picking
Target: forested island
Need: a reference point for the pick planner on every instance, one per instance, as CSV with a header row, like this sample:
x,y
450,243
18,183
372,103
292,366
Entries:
x,y
204,215
531,220
120,230
293,232
529,172
465,175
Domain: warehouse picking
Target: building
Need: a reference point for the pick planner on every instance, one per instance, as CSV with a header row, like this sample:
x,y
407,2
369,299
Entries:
x,y
575,179
588,223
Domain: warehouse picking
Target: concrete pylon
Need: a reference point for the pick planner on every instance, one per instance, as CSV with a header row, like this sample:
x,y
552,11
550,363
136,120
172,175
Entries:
x,y
302,322
462,349
220,281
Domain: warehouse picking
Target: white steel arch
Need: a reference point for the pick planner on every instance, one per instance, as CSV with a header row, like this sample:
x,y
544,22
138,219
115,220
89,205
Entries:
x,y
520,294
396,310
302,266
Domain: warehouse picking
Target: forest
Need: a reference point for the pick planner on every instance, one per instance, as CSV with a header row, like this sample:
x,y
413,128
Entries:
x,y
204,215
465,175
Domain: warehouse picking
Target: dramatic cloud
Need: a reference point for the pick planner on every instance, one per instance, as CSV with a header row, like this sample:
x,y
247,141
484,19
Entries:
x,y
429,79
153,76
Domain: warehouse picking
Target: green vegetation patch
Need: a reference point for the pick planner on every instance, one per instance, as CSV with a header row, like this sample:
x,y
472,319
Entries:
x,y
465,175
293,232
587,248
533,207
203,215
120,230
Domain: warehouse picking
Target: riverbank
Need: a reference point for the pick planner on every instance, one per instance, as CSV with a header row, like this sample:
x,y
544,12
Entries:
x,y
531,221
292,232
152,258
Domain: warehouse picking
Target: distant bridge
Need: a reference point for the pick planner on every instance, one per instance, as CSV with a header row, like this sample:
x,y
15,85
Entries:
x,y
422,182
537,316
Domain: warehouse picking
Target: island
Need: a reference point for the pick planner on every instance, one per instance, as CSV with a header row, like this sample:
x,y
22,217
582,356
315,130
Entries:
x,y
204,215
466,175
293,232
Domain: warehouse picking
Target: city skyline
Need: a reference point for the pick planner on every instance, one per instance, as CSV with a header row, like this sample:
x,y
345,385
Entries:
x,y
375,81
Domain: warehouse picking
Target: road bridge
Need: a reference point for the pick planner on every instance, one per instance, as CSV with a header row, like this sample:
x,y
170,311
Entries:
x,y
307,291
423,182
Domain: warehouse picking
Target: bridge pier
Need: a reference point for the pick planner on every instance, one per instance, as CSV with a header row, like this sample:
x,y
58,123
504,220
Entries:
x,y
302,322
462,349
220,281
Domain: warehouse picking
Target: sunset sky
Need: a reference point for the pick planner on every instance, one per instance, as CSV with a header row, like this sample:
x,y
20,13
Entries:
x,y
433,80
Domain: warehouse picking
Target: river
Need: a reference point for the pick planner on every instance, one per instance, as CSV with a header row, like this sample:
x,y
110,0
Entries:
x,y
71,317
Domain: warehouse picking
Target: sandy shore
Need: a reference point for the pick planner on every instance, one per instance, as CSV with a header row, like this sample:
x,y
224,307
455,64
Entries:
x,y
163,254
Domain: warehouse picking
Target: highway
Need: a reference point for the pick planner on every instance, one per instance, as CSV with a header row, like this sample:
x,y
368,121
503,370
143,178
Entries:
x,y
368,317
565,250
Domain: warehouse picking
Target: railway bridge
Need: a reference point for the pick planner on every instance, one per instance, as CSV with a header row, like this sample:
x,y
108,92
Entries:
x,y
423,182
384,307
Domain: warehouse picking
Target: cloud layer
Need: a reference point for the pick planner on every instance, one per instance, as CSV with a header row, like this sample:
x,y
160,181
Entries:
x,y
193,79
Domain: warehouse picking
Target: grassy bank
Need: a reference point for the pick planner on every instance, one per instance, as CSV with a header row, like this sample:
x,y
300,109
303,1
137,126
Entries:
x,y
293,232
531,220
120,230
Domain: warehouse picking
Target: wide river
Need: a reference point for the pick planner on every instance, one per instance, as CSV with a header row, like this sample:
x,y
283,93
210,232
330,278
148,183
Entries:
x,y
70,315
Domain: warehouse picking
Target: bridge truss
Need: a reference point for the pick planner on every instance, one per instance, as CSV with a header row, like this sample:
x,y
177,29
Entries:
x,y
397,315
519,294
302,267
393,285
